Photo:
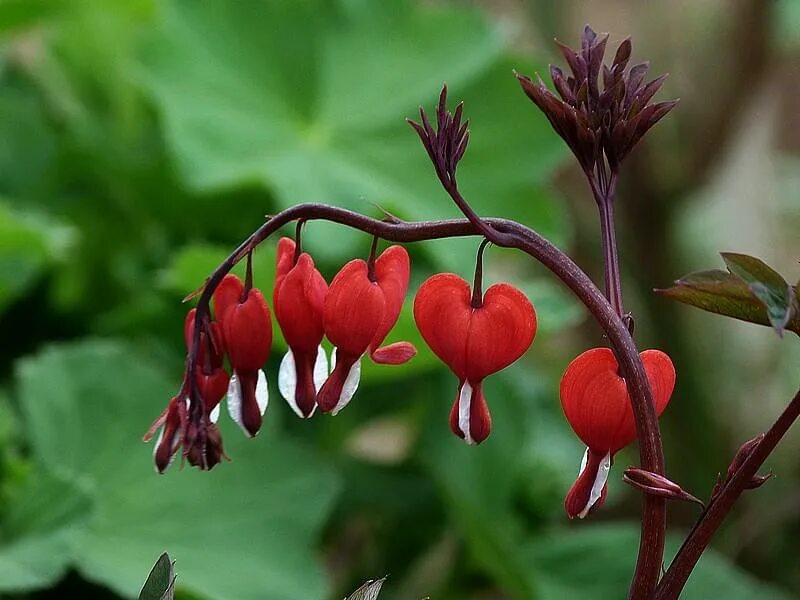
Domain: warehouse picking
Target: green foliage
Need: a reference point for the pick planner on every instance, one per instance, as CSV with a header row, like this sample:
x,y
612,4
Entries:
x,y
140,142
94,502
328,125
596,561
750,291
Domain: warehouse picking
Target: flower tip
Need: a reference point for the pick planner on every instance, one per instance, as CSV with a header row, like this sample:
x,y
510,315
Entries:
x,y
397,353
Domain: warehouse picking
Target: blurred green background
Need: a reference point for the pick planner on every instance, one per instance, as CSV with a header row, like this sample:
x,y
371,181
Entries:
x,y
140,140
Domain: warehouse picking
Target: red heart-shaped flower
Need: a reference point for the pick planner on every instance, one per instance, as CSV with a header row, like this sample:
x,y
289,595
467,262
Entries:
x,y
595,398
473,341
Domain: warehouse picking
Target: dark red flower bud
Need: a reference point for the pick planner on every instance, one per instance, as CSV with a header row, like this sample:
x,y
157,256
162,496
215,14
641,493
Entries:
x,y
657,485
360,309
742,454
298,299
212,350
203,446
228,293
473,342
171,424
212,379
247,330
596,403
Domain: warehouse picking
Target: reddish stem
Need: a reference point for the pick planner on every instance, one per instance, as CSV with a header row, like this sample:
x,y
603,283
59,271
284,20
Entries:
x,y
708,523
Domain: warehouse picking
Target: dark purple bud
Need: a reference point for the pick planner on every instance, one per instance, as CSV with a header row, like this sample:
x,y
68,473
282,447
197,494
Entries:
x,y
623,54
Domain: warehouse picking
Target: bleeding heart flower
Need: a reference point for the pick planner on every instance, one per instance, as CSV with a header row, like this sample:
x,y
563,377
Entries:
x,y
298,299
596,403
247,331
361,307
212,379
474,341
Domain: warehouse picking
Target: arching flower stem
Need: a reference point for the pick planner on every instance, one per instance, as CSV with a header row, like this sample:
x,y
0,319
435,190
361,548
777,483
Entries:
x,y
506,233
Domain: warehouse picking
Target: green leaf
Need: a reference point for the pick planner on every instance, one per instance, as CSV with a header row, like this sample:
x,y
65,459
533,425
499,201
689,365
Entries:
x,y
315,118
28,243
725,294
481,481
767,285
368,591
41,521
597,561
27,144
86,407
160,584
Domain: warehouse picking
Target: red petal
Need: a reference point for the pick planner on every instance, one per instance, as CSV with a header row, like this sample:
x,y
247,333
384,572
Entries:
x,y
298,299
188,328
228,293
442,312
248,332
595,398
212,388
474,342
305,393
330,393
284,259
480,420
394,354
251,412
577,502
353,309
500,332
392,269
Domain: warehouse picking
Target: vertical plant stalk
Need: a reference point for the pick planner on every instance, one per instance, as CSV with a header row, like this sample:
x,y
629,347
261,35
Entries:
x,y
446,144
612,274
695,544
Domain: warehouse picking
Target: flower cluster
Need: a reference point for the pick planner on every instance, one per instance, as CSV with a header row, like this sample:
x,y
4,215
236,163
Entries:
x,y
475,334
356,313
600,124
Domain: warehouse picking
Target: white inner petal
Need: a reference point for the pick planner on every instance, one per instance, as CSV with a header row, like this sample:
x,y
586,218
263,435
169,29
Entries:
x,y
464,409
158,441
584,460
235,402
287,382
213,416
349,388
262,392
321,368
599,482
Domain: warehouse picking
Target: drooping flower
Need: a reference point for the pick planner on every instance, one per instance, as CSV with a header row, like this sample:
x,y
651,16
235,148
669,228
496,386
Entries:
x,y
474,339
170,426
212,379
595,401
361,307
298,299
247,333
202,445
